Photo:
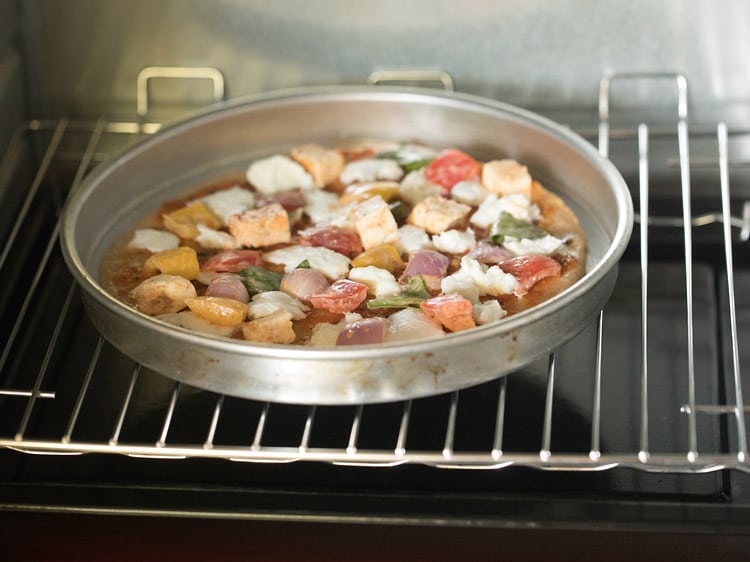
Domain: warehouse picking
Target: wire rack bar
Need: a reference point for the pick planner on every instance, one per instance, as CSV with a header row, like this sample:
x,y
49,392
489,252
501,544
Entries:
x,y
643,453
722,137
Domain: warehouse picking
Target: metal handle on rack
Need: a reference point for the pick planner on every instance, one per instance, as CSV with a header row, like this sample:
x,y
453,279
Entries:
x,y
148,73
380,76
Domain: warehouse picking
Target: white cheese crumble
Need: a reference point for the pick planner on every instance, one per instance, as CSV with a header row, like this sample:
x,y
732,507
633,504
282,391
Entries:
x,y
321,205
371,169
229,202
412,238
487,312
411,324
469,192
461,282
380,282
545,246
215,239
455,241
415,187
487,280
278,173
268,302
517,204
153,240
331,264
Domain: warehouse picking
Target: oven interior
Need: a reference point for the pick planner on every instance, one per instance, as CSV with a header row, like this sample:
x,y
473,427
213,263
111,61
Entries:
x,y
638,421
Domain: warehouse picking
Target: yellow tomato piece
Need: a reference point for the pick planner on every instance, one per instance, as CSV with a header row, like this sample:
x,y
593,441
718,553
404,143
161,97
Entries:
x,y
218,310
359,192
182,261
384,256
183,222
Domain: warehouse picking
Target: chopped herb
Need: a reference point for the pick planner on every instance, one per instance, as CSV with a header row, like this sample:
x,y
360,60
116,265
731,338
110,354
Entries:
x,y
416,287
304,264
399,210
259,280
402,301
508,225
415,165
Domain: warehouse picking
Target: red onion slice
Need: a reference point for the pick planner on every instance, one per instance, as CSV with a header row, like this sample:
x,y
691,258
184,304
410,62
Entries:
x,y
364,332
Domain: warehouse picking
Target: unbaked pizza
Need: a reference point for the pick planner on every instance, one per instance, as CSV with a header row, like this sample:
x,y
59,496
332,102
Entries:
x,y
376,242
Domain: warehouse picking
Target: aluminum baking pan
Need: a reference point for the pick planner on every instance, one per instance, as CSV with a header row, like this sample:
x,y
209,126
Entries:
x,y
224,139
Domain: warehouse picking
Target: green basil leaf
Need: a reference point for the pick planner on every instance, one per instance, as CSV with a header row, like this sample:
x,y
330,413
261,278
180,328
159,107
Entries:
x,y
259,280
508,225
416,287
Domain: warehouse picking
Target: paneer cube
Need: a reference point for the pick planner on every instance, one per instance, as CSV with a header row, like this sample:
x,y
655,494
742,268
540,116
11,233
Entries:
x,y
323,164
436,214
256,228
503,177
374,222
275,328
162,294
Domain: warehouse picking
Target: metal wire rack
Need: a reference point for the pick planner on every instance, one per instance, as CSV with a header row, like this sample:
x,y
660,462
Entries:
x,y
54,370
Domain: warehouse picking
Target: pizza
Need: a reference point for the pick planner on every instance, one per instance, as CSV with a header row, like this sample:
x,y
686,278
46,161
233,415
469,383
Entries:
x,y
372,243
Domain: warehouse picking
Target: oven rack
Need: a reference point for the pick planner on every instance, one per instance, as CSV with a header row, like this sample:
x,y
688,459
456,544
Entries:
x,y
26,396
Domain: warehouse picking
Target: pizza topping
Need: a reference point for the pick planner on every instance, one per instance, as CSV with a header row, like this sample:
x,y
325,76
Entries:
x,y
436,214
324,165
342,240
182,261
218,310
289,199
469,192
265,304
411,324
455,241
508,225
301,283
385,256
374,222
231,260
379,282
427,262
490,254
228,285
184,222
215,239
342,296
371,169
503,177
529,270
450,167
227,202
487,312
153,240
339,247
274,328
363,332
331,264
278,173
452,310
256,228
259,280
162,294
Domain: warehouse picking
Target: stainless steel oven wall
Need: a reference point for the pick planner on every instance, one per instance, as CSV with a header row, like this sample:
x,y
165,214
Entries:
x,y
84,55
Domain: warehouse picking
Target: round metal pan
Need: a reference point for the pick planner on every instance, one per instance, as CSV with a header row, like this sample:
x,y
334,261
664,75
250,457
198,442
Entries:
x,y
227,138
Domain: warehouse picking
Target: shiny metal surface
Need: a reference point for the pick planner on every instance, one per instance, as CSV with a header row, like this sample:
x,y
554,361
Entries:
x,y
133,184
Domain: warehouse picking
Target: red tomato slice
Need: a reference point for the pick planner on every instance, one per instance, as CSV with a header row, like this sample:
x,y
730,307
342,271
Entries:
x,y
451,167
342,296
336,238
452,310
529,270
231,260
